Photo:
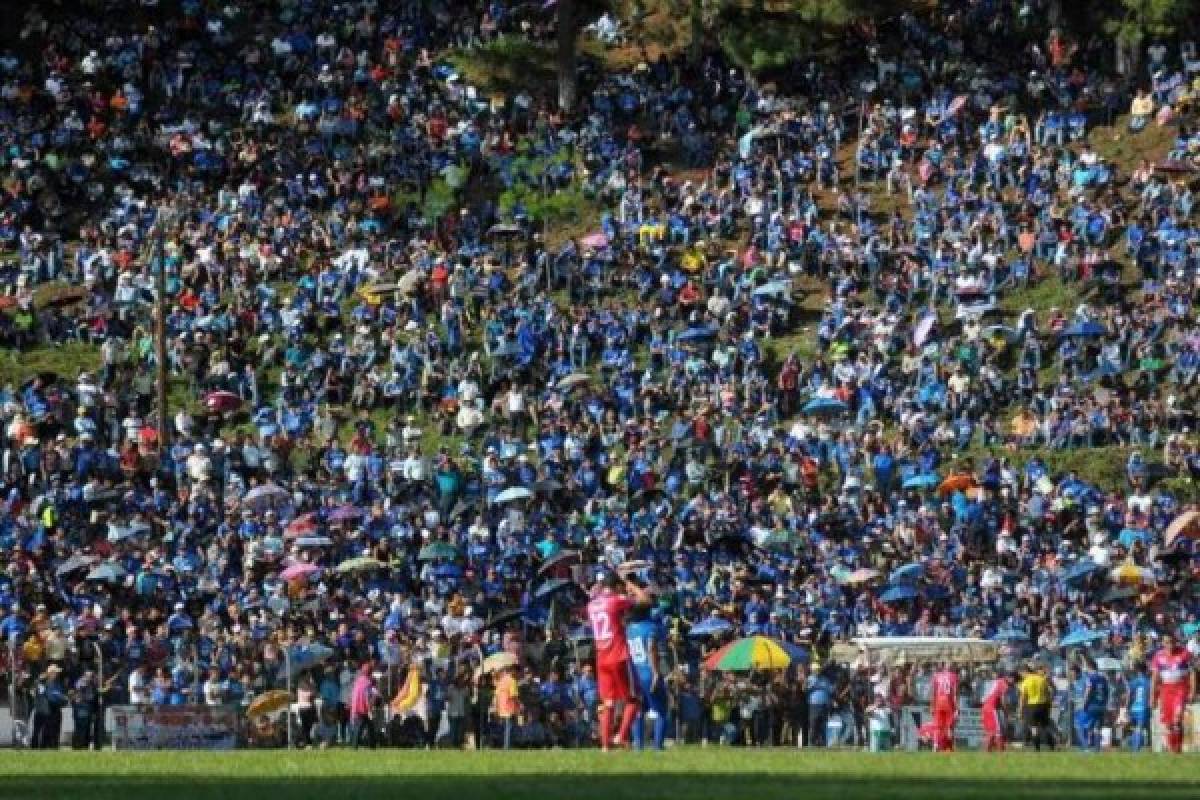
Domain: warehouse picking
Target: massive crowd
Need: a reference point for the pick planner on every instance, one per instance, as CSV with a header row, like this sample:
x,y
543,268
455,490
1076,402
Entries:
x,y
790,373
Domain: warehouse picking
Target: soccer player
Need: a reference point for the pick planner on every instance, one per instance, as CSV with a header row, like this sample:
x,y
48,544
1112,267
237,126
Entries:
x,y
1091,705
645,635
606,611
993,716
1140,707
1173,687
945,707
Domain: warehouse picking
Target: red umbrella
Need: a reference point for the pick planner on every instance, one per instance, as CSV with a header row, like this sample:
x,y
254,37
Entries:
x,y
303,525
222,402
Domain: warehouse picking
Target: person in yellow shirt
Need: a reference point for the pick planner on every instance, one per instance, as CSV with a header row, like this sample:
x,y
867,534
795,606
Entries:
x,y
508,703
1036,694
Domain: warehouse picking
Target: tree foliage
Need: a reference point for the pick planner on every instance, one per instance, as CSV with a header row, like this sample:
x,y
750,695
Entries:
x,y
1134,21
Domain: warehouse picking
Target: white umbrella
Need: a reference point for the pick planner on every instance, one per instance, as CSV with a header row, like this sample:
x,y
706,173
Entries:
x,y
266,496
511,494
574,379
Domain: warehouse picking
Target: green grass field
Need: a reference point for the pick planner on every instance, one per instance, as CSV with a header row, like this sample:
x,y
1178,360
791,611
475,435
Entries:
x,y
678,775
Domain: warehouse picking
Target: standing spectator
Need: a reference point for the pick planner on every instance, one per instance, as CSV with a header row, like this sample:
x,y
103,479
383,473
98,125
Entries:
x,y
85,711
435,705
820,704
48,702
507,704
306,710
458,700
362,703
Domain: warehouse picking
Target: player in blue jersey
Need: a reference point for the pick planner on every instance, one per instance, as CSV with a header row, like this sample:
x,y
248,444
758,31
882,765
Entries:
x,y
1140,707
1090,698
646,637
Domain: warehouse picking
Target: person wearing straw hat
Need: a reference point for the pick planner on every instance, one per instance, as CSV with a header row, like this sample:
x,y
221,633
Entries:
x,y
48,702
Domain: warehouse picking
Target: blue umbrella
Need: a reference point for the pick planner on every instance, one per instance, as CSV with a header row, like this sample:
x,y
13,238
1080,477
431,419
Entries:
x,y
1011,636
447,571
302,657
1082,570
925,480
1081,637
936,592
898,594
1085,329
797,652
696,334
1105,370
907,573
712,626
1118,593
824,405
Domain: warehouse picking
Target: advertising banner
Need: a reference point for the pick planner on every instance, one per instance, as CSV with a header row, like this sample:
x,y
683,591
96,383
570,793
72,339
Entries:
x,y
173,727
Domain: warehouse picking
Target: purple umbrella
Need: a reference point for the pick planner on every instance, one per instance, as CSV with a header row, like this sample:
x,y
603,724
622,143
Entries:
x,y
345,513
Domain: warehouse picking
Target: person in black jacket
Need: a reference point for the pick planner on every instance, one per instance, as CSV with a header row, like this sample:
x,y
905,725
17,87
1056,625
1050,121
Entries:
x,y
48,702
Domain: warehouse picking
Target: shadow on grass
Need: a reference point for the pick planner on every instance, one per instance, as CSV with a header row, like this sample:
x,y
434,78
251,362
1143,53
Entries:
x,y
560,785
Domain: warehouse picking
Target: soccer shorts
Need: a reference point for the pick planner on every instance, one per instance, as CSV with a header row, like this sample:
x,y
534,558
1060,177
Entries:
x,y
993,721
650,699
1170,706
612,681
1085,726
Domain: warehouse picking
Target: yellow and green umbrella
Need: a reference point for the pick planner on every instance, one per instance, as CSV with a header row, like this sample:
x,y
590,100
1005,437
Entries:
x,y
753,652
360,564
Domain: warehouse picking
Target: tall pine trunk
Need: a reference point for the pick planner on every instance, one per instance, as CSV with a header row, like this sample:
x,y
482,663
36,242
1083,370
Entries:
x,y
567,52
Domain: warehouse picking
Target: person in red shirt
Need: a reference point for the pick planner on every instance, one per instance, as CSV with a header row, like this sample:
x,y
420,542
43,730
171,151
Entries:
x,y
944,692
1173,687
993,712
606,612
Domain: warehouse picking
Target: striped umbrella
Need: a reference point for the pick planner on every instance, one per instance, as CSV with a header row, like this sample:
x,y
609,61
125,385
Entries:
x,y
753,652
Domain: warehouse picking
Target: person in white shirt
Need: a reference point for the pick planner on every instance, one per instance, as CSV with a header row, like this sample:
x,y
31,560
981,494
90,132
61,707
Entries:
x,y
413,468
139,686
214,688
355,467
199,466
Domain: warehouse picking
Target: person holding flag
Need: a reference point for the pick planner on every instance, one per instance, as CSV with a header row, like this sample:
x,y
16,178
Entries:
x,y
1173,688
645,637
606,612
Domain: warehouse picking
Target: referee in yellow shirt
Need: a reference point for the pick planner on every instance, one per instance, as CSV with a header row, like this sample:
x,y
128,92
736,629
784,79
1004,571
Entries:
x,y
1036,694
